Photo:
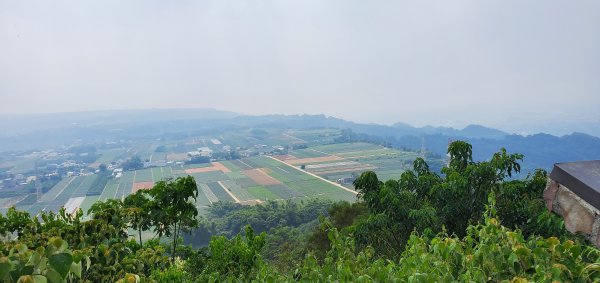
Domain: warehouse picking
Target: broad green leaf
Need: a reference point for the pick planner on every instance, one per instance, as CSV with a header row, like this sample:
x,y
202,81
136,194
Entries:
x,y
34,259
513,258
27,270
56,245
5,266
76,269
53,276
61,263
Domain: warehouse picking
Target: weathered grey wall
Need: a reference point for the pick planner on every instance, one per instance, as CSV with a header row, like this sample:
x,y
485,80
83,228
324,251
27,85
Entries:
x,y
580,217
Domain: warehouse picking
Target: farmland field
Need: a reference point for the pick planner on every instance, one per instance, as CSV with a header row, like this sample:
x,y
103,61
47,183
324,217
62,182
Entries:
x,y
261,192
348,160
108,156
310,169
251,180
144,175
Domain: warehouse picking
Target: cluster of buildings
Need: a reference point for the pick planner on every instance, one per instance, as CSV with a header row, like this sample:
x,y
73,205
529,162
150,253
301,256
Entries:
x,y
43,164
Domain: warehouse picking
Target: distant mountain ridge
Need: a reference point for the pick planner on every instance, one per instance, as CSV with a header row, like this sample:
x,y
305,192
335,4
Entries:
x,y
38,131
470,131
19,123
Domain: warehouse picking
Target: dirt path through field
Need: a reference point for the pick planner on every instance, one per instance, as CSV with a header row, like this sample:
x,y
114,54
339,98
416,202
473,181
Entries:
x,y
228,192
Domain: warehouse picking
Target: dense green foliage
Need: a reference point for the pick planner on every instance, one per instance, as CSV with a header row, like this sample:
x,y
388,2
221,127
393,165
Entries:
x,y
424,201
469,223
228,219
103,239
488,252
50,263
138,210
133,163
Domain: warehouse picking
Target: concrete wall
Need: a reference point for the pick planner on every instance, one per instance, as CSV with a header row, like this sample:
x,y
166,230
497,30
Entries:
x,y
580,217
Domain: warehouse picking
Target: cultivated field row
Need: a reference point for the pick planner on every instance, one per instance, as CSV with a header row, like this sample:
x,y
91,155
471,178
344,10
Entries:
x,y
246,181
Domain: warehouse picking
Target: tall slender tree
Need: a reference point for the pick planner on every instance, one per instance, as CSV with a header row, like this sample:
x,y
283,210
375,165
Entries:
x,y
137,209
173,208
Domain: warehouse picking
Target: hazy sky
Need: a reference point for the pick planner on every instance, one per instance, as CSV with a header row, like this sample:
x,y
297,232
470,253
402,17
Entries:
x,y
496,63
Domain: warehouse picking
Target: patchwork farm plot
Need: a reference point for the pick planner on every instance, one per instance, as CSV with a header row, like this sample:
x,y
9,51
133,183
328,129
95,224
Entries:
x,y
258,179
245,181
311,169
73,192
344,161
69,192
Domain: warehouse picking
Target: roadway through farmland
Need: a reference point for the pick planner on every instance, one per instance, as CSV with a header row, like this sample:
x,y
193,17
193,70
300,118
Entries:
x,y
316,176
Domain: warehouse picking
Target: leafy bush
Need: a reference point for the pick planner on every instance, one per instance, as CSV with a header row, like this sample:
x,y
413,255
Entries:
x,y
236,259
52,263
488,252
173,273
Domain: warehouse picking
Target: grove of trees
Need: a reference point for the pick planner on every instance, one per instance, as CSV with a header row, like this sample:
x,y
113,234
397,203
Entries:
x,y
133,163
